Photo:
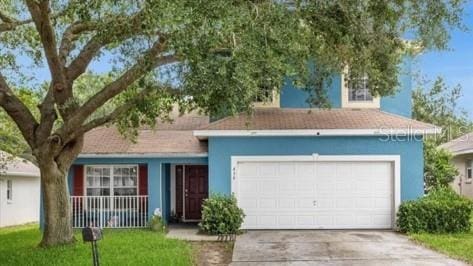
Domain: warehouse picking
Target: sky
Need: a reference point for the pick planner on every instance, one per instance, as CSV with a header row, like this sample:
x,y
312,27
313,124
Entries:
x,y
454,65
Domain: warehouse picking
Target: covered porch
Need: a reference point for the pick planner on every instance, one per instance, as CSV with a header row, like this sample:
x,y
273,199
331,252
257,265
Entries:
x,y
126,192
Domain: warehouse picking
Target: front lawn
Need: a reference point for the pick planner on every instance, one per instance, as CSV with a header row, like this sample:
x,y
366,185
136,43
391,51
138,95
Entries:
x,y
18,246
455,245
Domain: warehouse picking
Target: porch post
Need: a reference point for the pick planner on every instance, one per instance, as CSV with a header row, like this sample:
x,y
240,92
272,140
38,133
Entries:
x,y
154,186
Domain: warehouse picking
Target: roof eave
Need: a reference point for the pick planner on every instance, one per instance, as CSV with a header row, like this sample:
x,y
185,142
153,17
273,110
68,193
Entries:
x,y
204,134
143,155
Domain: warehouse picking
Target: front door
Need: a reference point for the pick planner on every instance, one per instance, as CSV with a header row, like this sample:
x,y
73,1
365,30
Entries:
x,y
195,191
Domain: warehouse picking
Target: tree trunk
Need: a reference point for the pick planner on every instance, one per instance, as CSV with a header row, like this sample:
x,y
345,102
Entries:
x,y
56,206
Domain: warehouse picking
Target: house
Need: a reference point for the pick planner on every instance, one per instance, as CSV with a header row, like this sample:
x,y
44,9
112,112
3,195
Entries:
x,y
462,151
19,191
289,166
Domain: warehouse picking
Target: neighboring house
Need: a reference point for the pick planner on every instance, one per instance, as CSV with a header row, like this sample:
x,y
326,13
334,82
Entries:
x,y
19,192
288,166
462,151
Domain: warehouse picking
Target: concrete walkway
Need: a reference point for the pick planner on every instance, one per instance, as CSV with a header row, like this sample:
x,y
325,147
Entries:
x,y
328,247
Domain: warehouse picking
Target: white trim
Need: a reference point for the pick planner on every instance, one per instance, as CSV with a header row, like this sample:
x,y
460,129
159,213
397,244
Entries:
x,y
460,152
395,159
317,132
21,174
142,155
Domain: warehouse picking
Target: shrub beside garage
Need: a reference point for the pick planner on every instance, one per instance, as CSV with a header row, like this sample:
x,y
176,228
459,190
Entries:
x,y
440,211
221,215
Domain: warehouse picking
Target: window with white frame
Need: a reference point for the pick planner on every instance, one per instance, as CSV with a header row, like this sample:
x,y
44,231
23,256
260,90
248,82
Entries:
x,y
359,91
469,174
9,190
115,180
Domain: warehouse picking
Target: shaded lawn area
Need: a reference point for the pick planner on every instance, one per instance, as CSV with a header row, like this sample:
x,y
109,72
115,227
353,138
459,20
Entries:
x,y
18,246
458,246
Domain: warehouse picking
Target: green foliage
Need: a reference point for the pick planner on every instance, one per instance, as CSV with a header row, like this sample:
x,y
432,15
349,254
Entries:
x,y
441,211
156,224
439,170
439,106
11,139
221,215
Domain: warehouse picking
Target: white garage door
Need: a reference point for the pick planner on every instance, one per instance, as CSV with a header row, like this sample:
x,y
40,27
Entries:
x,y
315,195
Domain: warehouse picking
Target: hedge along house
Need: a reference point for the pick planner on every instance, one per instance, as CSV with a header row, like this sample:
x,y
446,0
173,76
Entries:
x,y
289,166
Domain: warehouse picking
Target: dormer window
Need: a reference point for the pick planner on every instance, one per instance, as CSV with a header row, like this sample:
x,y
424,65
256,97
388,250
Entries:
x,y
359,91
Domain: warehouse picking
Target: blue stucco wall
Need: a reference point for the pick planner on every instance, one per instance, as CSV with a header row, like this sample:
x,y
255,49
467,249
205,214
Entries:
x,y
222,148
401,102
292,97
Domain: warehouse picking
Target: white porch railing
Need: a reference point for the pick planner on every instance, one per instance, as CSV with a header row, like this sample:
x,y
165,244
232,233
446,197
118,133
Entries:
x,y
109,211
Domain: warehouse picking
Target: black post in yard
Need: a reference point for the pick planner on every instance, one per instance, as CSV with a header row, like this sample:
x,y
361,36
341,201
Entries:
x,y
95,253
91,235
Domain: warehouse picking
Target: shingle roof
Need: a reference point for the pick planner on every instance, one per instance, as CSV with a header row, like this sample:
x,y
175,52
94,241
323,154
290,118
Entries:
x,y
17,166
178,137
284,119
167,138
461,145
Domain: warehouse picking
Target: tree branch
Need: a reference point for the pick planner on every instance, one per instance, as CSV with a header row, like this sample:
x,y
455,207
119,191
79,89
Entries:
x,y
70,35
78,66
150,60
20,114
40,14
48,117
114,114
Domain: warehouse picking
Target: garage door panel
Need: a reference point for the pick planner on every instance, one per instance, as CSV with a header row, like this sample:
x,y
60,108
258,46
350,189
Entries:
x,y
304,170
311,195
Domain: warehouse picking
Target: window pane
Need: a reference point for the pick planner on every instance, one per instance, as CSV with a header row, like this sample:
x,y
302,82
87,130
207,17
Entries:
x,y
105,182
106,172
117,181
117,171
98,192
97,171
358,90
9,189
125,191
90,181
130,181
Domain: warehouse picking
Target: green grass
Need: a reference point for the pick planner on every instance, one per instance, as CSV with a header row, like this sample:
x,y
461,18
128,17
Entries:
x,y
458,245
18,246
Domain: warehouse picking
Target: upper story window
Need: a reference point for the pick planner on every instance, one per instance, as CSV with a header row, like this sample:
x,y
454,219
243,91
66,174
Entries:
x,y
267,97
359,91
117,180
9,190
356,93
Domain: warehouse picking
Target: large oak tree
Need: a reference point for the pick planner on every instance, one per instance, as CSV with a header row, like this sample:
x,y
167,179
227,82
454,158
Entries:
x,y
220,55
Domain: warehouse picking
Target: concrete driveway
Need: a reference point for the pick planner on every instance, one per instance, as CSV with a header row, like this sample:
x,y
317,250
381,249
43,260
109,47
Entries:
x,y
328,247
